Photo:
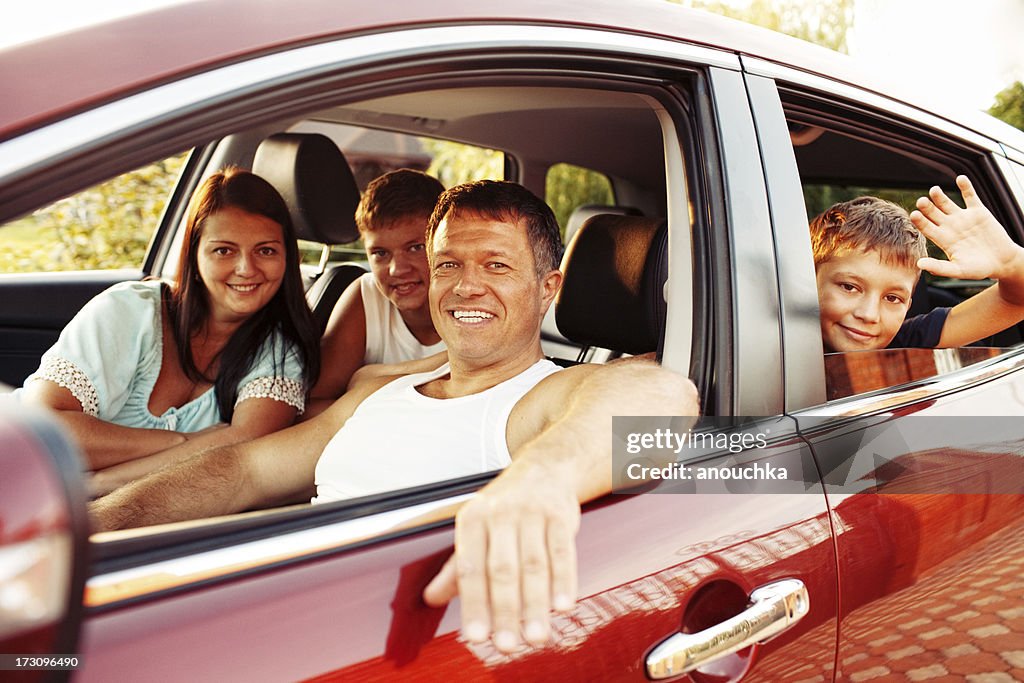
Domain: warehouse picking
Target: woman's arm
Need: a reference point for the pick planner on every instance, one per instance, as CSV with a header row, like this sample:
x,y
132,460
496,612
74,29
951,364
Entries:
x,y
253,418
104,443
89,373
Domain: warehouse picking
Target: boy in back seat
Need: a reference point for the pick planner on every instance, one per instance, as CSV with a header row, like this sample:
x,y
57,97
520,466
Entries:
x,y
383,317
868,255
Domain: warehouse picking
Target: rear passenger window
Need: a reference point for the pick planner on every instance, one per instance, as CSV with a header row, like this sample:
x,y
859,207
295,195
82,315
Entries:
x,y
847,152
568,187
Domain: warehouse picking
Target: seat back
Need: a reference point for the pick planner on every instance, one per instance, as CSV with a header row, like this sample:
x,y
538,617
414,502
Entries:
x,y
612,294
554,340
316,182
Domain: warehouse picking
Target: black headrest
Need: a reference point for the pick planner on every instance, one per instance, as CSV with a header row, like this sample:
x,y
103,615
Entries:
x,y
316,182
612,294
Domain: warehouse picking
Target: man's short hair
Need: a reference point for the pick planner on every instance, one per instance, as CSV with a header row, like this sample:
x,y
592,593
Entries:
x,y
396,196
508,202
867,223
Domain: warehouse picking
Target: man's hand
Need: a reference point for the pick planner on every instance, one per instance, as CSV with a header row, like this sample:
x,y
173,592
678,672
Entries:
x,y
976,244
515,557
515,541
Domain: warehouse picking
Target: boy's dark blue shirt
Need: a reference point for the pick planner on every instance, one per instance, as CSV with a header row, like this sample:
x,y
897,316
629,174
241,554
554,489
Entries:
x,y
921,332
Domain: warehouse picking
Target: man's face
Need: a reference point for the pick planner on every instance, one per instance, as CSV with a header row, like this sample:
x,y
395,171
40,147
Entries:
x,y
863,299
398,261
486,299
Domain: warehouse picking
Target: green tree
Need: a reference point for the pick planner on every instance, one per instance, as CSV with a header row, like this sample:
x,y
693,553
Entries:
x,y
822,23
1009,105
568,186
104,227
454,163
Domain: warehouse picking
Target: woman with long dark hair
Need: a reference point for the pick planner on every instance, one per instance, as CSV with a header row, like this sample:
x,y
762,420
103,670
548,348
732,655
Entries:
x,y
148,372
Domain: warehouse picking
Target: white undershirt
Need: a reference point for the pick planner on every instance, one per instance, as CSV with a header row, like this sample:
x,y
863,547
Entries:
x,y
388,339
398,437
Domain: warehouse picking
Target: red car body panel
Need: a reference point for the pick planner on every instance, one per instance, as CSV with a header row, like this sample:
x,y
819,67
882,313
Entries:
x,y
291,624
53,77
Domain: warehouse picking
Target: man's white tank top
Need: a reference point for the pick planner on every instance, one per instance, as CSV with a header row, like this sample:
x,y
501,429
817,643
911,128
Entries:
x,y
388,339
398,437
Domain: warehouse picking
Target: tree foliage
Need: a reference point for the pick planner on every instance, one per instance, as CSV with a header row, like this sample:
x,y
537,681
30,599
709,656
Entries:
x,y
106,226
1009,105
569,186
454,163
822,23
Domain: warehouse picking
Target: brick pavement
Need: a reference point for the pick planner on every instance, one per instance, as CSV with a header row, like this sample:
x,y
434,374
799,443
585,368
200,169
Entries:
x,y
962,622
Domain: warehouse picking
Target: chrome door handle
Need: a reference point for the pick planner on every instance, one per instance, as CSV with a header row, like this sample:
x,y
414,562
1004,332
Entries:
x,y
774,607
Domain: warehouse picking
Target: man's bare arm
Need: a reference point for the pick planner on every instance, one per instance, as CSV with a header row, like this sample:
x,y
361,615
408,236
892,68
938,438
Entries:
x,y
515,553
229,479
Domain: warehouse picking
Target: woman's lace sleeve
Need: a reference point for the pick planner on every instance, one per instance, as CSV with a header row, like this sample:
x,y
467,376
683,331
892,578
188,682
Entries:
x,y
282,389
68,375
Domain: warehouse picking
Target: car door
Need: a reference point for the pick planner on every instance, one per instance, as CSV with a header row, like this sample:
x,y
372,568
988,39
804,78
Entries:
x,y
332,592
919,448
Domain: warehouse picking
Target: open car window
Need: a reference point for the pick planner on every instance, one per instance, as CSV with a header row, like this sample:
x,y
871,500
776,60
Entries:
x,y
846,151
108,226
526,129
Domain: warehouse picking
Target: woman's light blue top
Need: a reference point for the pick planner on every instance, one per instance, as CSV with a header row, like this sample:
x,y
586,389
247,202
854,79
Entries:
x,y
109,357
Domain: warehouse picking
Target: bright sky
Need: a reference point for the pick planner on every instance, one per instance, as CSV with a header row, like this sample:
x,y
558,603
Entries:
x,y
966,50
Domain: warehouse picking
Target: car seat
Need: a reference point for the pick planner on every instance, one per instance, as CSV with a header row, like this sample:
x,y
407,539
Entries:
x,y
316,182
612,295
555,343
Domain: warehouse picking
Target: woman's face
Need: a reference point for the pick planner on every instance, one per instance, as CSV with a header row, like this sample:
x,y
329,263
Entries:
x,y
241,261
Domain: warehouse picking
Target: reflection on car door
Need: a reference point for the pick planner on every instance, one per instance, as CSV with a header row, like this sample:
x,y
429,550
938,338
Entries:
x,y
651,565
928,525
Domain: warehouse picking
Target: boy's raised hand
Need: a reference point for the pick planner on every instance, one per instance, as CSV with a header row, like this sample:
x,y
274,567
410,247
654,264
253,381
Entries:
x,y
975,242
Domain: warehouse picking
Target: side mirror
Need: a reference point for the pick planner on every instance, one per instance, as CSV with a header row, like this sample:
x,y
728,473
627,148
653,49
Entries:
x,y
44,540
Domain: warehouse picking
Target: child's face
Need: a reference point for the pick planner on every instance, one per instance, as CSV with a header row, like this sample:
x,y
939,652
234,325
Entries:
x,y
398,261
863,299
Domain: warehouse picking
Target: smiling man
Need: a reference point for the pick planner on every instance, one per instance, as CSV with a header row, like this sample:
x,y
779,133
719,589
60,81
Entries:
x,y
494,250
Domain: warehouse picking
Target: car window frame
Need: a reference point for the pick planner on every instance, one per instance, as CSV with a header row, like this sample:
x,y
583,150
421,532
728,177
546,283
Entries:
x,y
86,160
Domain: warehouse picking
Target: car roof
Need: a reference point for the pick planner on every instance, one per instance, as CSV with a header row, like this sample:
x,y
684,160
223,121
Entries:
x,y
53,77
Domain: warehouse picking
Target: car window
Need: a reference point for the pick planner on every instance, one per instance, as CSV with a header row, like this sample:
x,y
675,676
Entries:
x,y
568,186
371,151
846,152
106,227
850,374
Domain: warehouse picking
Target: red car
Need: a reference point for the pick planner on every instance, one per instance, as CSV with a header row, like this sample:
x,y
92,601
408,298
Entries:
x,y
729,138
